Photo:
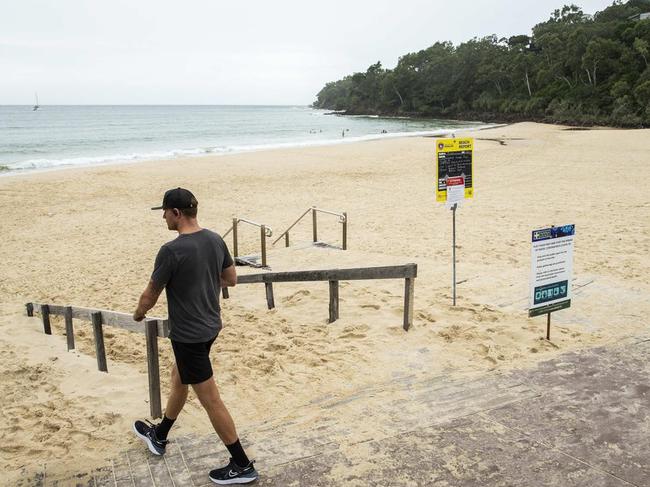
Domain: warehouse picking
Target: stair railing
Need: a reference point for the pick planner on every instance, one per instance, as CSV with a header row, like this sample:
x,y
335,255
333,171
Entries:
x,y
264,232
343,219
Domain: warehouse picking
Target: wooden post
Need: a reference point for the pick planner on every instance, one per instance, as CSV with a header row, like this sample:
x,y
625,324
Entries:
x,y
263,242
314,224
269,295
45,314
286,239
334,301
153,368
99,341
30,309
224,293
409,283
234,237
345,231
69,330
164,324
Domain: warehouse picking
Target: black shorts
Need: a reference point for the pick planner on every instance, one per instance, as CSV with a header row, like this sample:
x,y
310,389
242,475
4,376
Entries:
x,y
193,361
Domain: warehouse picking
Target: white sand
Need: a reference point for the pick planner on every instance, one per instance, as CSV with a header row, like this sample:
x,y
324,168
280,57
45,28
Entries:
x,y
86,237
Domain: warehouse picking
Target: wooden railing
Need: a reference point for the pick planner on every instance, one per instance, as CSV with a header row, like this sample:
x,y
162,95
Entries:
x,y
151,327
407,272
158,327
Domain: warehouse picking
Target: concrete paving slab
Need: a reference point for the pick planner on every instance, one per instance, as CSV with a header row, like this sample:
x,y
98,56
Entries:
x,y
581,419
471,451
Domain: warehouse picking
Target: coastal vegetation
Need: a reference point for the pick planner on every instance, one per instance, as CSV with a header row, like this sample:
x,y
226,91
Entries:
x,y
574,69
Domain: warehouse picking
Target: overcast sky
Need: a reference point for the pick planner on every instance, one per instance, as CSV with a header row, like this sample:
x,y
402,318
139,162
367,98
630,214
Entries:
x,y
224,52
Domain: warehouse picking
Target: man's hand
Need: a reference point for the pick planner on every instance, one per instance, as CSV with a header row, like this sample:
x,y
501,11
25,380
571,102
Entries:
x,y
147,301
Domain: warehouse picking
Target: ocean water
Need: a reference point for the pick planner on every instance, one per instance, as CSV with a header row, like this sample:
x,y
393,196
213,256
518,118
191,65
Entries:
x,y
64,136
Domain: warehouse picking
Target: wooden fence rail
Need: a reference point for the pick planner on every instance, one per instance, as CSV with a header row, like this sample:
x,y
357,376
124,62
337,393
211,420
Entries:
x,y
157,327
408,272
151,327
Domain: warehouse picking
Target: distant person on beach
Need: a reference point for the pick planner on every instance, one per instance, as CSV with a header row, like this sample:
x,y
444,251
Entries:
x,y
343,133
192,269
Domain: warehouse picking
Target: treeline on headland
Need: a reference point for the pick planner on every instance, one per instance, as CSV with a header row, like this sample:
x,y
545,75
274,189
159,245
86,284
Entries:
x,y
575,69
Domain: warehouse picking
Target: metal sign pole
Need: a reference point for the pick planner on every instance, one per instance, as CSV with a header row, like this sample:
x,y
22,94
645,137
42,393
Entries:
x,y
548,326
454,184
453,250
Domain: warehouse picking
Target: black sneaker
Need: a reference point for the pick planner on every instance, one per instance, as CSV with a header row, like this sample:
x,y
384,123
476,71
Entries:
x,y
234,474
147,432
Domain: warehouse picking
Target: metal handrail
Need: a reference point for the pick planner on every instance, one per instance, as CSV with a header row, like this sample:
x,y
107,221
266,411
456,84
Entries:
x,y
264,232
293,224
268,230
343,218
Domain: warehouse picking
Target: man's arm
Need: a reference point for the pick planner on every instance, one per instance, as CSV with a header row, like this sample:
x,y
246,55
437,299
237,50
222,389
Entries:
x,y
229,277
147,300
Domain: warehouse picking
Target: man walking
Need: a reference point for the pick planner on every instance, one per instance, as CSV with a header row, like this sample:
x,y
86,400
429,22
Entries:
x,y
192,269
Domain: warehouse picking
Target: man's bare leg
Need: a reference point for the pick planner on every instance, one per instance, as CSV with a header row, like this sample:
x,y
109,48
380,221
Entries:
x,y
220,418
175,403
177,395
155,436
240,468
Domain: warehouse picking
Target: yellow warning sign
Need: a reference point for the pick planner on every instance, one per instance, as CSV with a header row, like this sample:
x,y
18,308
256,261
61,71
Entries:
x,y
454,159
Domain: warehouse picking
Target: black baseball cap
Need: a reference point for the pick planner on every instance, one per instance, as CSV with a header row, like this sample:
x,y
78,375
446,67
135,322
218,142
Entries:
x,y
177,198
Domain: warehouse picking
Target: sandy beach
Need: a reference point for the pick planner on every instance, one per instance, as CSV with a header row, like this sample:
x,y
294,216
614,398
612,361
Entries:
x,y
87,237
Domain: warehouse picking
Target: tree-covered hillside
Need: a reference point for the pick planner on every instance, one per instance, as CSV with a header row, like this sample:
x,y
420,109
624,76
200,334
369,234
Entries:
x,y
575,69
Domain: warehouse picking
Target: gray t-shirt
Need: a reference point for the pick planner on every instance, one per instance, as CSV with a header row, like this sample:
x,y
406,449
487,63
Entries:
x,y
189,267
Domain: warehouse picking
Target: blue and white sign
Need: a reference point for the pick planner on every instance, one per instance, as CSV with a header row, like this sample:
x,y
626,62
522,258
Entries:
x,y
551,269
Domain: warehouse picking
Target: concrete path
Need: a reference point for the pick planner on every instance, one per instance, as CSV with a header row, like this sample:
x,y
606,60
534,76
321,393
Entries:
x,y
582,419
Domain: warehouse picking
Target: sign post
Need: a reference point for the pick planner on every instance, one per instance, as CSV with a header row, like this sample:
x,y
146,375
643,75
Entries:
x,y
454,182
455,194
551,270
453,252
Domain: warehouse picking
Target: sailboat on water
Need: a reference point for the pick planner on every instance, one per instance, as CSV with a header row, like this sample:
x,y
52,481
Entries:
x,y
36,105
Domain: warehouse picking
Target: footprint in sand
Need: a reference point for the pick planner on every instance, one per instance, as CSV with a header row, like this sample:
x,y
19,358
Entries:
x,y
372,306
275,347
354,332
484,350
489,318
353,335
296,297
459,309
423,315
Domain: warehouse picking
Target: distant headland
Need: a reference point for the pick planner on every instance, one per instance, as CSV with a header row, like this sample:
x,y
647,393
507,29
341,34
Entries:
x,y
574,69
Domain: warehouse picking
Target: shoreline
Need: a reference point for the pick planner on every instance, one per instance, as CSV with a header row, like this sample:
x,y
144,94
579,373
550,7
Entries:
x,y
253,149
486,117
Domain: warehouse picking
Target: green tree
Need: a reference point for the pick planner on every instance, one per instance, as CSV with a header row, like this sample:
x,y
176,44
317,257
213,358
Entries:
x,y
574,68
